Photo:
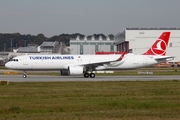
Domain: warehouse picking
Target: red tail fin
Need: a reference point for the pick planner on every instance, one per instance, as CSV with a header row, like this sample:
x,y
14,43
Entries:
x,y
159,47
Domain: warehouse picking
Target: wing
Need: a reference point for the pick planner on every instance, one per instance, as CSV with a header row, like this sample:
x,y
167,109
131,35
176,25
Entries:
x,y
95,64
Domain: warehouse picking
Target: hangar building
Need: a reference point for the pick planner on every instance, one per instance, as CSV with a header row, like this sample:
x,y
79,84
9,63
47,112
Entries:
x,y
91,44
139,40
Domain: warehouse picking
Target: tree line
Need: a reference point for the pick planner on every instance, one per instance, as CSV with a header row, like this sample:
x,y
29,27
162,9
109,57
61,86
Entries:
x,y
16,40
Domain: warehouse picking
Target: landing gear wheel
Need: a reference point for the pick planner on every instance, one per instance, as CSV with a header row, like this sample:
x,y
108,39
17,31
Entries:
x,y
92,75
86,75
24,76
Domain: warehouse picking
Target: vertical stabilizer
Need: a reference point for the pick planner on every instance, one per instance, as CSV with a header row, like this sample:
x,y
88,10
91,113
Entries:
x,y
160,45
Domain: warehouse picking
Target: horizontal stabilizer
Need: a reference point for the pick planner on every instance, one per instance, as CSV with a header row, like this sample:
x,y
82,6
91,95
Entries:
x,y
162,58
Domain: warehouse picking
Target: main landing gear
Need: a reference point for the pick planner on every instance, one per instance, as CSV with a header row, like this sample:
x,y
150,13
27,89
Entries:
x,y
24,74
91,75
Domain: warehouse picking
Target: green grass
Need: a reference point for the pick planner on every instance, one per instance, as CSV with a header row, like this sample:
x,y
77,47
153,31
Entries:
x,y
158,100
3,68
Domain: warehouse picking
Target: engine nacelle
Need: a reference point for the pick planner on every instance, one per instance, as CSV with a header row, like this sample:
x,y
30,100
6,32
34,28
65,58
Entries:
x,y
75,70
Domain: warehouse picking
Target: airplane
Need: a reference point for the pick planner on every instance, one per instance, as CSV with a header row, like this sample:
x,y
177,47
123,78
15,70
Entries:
x,y
86,64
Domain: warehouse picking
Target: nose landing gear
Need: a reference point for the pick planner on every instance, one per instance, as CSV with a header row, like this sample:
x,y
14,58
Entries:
x,y
24,74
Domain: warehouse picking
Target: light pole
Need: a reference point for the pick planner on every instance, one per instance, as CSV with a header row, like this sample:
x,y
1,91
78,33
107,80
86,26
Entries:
x,y
4,52
4,48
24,43
16,45
11,44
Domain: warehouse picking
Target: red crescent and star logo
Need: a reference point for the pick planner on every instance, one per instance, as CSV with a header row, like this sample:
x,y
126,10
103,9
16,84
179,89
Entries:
x,y
159,48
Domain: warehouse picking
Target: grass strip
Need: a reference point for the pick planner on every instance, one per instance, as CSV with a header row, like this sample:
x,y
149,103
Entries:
x,y
126,100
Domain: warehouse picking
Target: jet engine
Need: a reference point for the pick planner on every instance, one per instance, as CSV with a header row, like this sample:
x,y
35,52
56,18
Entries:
x,y
72,70
75,70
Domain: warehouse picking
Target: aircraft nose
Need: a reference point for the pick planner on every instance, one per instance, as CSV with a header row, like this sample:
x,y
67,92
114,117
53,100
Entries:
x,y
8,65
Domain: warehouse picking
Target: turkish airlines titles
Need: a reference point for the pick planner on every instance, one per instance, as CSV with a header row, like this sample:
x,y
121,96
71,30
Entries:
x,y
51,57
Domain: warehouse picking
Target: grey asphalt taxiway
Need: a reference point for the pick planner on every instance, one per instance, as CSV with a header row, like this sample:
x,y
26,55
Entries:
x,y
42,78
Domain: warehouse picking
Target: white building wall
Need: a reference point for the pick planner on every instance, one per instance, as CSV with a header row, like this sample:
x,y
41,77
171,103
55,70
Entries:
x,y
105,47
75,49
89,49
141,40
91,46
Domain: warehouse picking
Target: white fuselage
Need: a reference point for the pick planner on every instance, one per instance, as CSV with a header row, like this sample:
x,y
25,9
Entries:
x,y
60,62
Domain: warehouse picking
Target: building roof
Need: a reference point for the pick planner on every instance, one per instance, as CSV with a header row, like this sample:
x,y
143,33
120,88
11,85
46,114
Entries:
x,y
30,49
152,28
4,53
47,44
92,38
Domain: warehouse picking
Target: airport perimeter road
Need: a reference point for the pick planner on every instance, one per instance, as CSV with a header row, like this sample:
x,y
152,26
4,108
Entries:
x,y
41,78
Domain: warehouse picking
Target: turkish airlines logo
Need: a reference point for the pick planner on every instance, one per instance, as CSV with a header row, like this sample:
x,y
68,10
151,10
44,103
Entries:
x,y
159,47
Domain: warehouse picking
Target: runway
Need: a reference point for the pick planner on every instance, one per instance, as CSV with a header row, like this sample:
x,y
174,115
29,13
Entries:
x,y
43,78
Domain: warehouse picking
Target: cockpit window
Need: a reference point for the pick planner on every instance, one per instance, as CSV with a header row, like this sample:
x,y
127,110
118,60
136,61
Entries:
x,y
16,60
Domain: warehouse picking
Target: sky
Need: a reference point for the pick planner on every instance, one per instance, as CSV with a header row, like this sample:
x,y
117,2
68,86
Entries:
x,y
88,17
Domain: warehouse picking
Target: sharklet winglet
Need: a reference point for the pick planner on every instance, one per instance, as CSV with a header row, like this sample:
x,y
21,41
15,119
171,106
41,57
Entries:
x,y
122,56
